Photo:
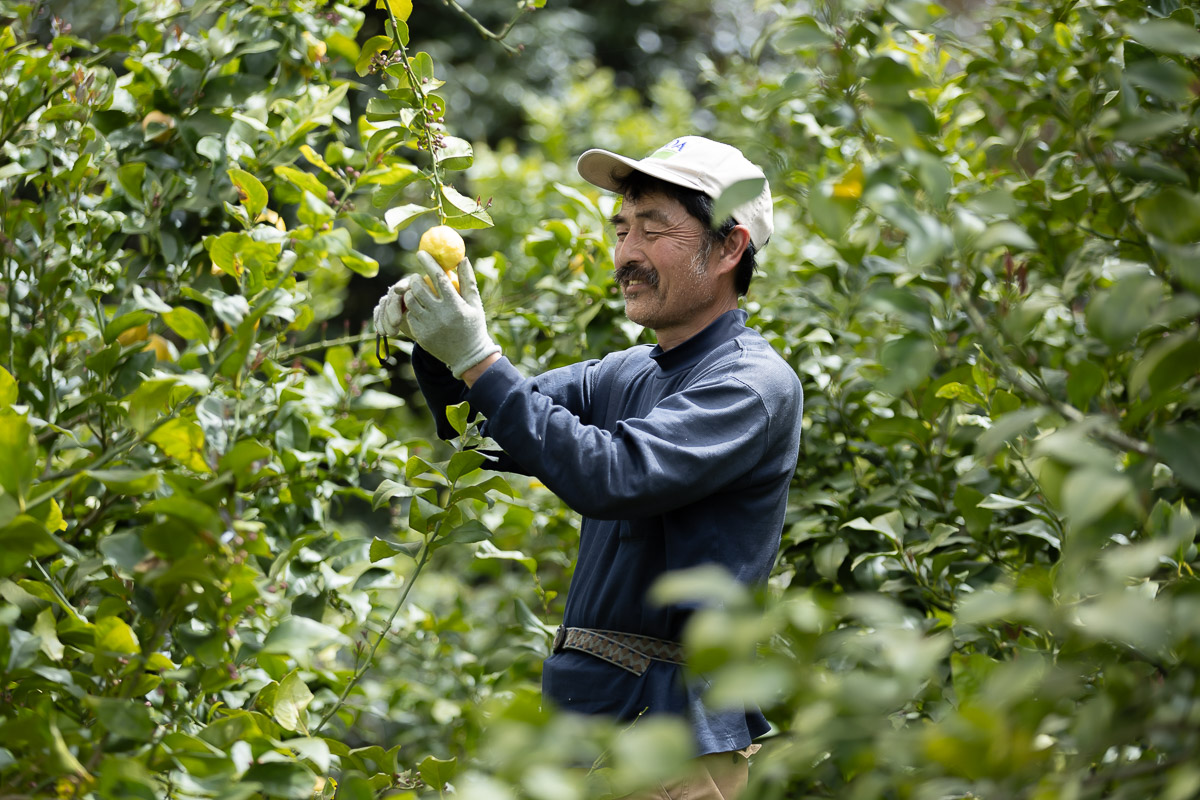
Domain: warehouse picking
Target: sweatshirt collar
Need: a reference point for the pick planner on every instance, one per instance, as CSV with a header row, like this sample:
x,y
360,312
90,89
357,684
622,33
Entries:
x,y
689,353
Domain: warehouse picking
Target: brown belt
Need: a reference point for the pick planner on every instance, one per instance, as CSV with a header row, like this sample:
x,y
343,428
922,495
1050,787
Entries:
x,y
626,650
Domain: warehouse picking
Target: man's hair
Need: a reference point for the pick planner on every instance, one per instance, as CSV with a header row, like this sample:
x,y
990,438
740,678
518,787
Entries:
x,y
636,185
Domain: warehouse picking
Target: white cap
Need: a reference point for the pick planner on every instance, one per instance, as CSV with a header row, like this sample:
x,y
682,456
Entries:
x,y
694,163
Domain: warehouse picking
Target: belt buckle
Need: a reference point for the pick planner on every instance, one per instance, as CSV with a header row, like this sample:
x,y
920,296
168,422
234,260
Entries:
x,y
560,635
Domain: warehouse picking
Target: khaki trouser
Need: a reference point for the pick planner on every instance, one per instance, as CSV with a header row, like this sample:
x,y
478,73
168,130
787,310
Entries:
x,y
719,776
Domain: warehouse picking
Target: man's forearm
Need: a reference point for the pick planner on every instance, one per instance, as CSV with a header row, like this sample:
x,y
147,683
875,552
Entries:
x,y
474,373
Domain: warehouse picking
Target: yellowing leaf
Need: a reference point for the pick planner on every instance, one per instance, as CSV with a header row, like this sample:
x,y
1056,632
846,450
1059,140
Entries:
x,y
113,635
400,9
1063,35
315,159
182,441
8,388
54,519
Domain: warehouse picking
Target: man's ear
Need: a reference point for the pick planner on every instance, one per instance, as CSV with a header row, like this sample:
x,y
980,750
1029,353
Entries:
x,y
732,248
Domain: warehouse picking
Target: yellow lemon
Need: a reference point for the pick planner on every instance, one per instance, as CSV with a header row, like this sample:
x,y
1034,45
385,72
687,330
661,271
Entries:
x,y
316,48
160,347
138,333
447,248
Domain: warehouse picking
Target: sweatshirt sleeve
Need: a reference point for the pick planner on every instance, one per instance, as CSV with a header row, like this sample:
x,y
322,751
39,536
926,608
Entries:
x,y
567,387
696,442
439,387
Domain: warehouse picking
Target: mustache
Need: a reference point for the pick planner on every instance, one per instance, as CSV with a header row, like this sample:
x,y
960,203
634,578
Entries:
x,y
634,272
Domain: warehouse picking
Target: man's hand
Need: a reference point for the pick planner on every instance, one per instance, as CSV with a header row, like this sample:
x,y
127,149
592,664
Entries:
x,y
449,326
390,319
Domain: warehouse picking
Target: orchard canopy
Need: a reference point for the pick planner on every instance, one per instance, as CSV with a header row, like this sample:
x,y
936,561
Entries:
x,y
235,562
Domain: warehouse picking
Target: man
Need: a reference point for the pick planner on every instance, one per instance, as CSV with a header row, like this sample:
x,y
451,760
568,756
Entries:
x,y
676,455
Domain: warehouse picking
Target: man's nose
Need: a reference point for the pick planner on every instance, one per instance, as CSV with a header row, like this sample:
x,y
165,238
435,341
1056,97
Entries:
x,y
629,248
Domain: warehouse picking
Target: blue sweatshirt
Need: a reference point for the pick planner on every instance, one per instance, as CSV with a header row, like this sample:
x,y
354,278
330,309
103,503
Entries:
x,y
675,459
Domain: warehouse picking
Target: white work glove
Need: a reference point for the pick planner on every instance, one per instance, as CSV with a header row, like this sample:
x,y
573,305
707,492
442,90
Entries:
x,y
450,327
390,319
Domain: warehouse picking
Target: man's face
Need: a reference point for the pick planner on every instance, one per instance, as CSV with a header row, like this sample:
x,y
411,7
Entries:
x,y
662,262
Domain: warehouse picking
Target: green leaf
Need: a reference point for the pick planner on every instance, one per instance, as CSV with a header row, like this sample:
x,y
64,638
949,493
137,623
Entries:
x,y
300,634
1166,365
891,525
148,401
463,463
124,718
802,33
1007,427
131,178
438,772
1121,312
458,415
361,263
1172,213
373,227
46,629
8,389
1090,492
1084,381
291,700
469,532
488,550
387,489
22,539
967,501
381,549
241,457
832,215
123,549
829,557
1004,234
1166,36
18,465
188,324
285,779
455,153
128,481
907,363
399,217
1179,446
251,192
735,196
709,585
371,48
960,391
114,636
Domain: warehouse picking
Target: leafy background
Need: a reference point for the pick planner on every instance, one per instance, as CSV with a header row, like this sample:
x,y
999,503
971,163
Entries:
x,y
233,563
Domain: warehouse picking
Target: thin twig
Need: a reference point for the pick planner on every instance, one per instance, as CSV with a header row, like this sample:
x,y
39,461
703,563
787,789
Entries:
x,y
487,34
435,177
309,348
370,659
1070,412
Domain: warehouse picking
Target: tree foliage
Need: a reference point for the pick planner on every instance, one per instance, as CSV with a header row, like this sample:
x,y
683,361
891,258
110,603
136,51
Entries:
x,y
214,511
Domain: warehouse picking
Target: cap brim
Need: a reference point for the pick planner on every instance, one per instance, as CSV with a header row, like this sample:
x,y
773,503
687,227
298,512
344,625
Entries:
x,y
606,170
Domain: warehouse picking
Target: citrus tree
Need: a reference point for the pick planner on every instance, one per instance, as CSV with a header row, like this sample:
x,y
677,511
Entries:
x,y
993,541
215,508
207,533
